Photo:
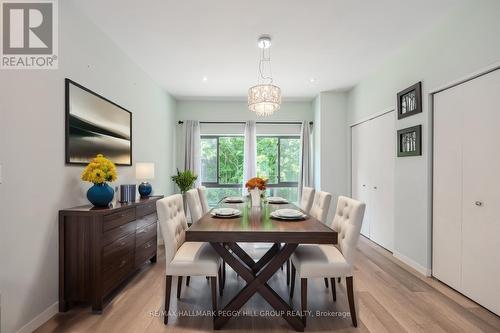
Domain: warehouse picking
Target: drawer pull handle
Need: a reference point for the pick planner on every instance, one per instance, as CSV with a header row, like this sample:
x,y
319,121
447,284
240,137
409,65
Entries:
x,y
123,263
147,246
142,231
122,243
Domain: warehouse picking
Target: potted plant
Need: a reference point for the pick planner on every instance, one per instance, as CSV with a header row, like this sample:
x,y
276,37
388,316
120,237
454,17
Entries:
x,y
256,186
185,181
99,171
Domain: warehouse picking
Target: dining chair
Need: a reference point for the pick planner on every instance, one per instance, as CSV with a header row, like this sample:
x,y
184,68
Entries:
x,y
184,258
202,192
307,198
321,205
194,204
328,260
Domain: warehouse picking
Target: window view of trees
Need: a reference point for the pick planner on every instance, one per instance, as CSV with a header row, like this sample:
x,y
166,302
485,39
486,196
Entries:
x,y
278,159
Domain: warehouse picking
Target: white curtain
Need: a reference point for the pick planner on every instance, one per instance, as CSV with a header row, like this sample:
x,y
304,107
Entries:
x,y
192,144
250,151
306,169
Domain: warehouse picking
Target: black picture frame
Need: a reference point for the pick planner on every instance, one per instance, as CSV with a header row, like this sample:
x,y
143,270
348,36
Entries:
x,y
67,103
410,101
410,141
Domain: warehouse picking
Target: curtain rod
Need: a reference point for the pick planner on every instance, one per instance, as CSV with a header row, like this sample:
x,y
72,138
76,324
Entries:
x,y
258,122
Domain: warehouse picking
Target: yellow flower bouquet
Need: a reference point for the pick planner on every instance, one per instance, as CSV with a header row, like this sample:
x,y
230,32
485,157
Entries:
x,y
99,171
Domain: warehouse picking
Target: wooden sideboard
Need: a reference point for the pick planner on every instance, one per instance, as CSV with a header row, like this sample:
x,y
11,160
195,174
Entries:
x,y
100,247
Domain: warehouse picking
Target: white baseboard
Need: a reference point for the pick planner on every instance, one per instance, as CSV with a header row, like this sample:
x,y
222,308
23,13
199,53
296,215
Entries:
x,y
413,264
41,319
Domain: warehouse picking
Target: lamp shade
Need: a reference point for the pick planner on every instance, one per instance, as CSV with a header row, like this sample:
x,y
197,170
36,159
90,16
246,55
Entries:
x,y
264,99
144,170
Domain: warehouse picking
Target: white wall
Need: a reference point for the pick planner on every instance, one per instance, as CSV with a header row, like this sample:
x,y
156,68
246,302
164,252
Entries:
x,y
36,182
330,145
464,43
212,110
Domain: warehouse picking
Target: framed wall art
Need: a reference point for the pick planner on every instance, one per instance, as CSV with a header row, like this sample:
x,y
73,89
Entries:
x,y
410,141
410,101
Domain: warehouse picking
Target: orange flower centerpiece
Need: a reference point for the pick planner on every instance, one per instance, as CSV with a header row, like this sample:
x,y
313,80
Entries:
x,y
256,186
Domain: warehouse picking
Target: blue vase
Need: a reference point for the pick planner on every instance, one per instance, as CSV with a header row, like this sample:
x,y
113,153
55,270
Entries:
x,y
100,195
145,189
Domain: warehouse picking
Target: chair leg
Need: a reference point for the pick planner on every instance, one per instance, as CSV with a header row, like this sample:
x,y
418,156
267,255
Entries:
x,y
168,288
292,283
188,278
179,286
288,272
213,282
334,291
338,280
326,282
221,288
350,296
303,298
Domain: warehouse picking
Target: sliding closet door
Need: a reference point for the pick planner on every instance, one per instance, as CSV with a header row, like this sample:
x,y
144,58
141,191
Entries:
x,y
360,172
447,188
481,190
383,153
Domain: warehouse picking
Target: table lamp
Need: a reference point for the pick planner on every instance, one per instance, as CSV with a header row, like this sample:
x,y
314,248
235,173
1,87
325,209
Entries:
x,y
144,172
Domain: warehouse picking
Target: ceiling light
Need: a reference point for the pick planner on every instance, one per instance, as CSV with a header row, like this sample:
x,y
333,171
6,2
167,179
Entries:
x,y
312,80
205,78
264,98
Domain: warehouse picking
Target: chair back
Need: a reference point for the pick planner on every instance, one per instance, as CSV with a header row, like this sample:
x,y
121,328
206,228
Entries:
x,y
202,192
347,222
307,198
320,205
193,199
173,224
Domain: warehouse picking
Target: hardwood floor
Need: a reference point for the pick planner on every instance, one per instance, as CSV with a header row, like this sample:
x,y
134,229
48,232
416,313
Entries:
x,y
390,297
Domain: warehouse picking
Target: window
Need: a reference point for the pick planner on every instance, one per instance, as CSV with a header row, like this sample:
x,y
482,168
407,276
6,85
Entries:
x,y
278,159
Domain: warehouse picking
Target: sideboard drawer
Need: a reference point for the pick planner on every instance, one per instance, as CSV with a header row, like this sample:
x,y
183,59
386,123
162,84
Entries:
x,y
146,220
118,272
117,219
146,209
118,232
145,233
145,251
116,250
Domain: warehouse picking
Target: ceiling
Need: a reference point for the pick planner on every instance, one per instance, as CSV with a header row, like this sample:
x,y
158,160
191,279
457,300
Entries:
x,y
335,42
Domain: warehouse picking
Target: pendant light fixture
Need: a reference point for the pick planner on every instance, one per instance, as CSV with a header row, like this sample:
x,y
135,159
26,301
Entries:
x,y
264,98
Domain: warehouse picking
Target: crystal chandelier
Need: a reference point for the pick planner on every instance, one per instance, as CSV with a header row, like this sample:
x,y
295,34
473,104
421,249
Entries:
x,y
264,98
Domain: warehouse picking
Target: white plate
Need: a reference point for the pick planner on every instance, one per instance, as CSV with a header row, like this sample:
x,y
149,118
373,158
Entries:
x,y
233,199
295,218
225,212
288,213
276,200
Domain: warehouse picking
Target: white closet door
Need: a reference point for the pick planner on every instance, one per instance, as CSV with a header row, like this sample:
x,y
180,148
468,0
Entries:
x,y
447,188
382,144
481,190
360,172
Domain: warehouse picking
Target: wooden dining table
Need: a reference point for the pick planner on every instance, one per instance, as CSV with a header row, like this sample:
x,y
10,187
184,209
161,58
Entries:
x,y
255,225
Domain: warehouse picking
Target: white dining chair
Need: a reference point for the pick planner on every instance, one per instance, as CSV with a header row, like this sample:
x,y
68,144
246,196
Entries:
x,y
194,204
328,260
320,206
184,258
306,199
202,192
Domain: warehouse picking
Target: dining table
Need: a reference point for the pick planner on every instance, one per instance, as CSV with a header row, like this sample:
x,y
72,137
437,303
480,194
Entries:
x,y
257,225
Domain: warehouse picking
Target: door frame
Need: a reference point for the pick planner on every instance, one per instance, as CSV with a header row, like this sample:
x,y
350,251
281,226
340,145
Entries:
x,y
474,75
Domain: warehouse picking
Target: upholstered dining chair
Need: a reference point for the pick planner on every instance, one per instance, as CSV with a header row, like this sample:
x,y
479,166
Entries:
x,y
202,192
307,198
325,260
194,204
319,210
184,258
321,205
